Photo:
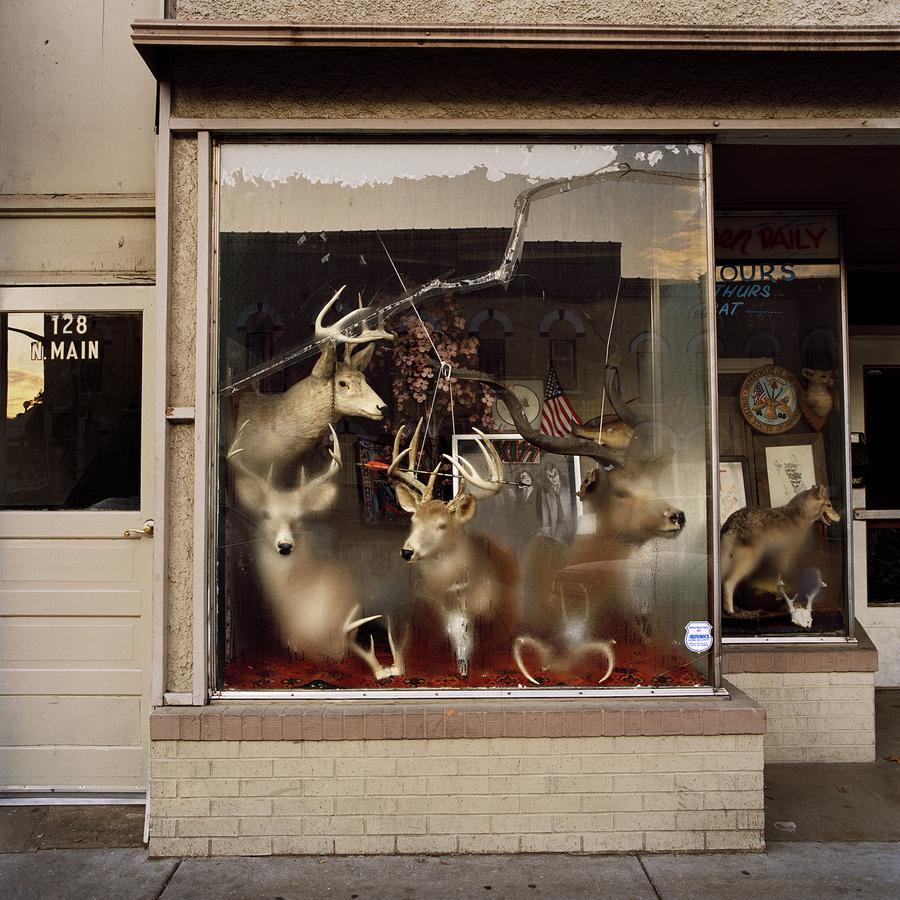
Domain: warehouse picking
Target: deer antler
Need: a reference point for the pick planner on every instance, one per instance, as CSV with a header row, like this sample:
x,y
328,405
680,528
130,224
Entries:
x,y
468,474
567,445
336,331
333,467
406,475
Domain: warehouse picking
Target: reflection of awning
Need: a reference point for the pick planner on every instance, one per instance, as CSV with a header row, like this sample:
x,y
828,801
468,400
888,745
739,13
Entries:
x,y
153,38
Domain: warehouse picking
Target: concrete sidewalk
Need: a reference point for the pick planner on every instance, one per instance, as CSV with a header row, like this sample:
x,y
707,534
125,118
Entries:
x,y
793,871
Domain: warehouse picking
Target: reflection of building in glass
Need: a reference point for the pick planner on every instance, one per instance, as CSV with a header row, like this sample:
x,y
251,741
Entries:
x,y
76,442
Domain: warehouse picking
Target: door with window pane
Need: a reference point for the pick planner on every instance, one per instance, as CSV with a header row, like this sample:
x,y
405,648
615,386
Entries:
x,y
76,490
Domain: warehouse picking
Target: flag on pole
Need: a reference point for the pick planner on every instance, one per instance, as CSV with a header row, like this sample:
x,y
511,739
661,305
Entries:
x,y
557,415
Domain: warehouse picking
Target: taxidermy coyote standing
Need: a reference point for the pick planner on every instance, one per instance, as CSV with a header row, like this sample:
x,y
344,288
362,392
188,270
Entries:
x,y
756,533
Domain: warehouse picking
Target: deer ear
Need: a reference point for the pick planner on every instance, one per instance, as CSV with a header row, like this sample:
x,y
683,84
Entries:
x,y
324,367
249,492
465,508
361,360
407,498
321,498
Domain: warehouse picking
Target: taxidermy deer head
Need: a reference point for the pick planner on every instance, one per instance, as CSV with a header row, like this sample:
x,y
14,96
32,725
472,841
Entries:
x,y
437,526
278,513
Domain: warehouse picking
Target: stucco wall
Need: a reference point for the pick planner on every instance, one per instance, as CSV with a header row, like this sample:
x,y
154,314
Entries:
x,y
395,84
784,13
181,373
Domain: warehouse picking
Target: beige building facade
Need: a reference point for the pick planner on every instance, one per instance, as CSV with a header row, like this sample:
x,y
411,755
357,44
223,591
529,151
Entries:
x,y
121,641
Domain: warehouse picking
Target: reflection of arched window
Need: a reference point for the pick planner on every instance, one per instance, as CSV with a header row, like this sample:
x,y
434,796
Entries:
x,y
261,326
819,350
563,353
492,328
492,348
646,348
562,328
763,344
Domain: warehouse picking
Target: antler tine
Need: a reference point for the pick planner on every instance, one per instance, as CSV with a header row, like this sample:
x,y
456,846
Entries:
x,y
334,465
429,488
335,331
626,413
489,451
326,331
406,475
469,475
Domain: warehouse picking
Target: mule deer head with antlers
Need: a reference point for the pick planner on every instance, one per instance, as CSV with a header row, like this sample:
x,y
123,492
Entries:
x,y
276,430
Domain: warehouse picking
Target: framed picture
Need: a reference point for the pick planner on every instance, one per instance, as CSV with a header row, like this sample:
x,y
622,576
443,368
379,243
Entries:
x,y
787,464
377,499
734,485
538,494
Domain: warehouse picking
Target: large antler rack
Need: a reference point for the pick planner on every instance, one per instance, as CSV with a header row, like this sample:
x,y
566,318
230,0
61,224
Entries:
x,y
341,331
567,445
406,475
469,476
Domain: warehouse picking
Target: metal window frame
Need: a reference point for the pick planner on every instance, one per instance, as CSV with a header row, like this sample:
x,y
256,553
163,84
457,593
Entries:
x,y
210,140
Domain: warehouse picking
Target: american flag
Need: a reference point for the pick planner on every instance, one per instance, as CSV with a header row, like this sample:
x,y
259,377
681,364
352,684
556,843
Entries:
x,y
558,415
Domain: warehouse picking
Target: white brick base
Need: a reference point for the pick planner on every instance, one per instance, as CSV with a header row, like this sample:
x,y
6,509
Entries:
x,y
497,795
814,717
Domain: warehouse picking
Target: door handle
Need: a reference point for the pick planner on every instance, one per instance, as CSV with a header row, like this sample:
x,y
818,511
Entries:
x,y
146,530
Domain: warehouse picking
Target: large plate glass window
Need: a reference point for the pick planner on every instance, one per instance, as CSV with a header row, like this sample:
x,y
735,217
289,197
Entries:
x,y
463,417
782,425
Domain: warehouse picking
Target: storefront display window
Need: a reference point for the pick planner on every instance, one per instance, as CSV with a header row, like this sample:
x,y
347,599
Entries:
x,y
782,425
400,506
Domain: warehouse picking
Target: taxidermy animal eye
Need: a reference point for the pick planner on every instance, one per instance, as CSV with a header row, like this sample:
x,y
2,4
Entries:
x,y
342,383
442,526
622,493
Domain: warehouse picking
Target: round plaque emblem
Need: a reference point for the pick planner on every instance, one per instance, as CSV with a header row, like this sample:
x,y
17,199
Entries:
x,y
770,399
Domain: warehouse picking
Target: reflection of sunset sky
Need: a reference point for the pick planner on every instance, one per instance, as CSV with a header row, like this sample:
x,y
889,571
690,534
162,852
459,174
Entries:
x,y
25,376
314,189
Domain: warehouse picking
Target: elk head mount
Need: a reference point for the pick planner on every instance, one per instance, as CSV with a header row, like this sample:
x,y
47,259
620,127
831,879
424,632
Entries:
x,y
276,430
468,579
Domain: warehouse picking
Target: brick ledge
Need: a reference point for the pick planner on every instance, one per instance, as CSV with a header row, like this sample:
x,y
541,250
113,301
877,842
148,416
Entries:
x,y
801,657
353,720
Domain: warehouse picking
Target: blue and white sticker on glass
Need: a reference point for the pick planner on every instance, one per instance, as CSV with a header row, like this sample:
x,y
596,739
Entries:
x,y
698,636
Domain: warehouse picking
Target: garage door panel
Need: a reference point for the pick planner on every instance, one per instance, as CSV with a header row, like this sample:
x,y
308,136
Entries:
x,y
68,561
68,602
59,679
72,640
89,768
83,721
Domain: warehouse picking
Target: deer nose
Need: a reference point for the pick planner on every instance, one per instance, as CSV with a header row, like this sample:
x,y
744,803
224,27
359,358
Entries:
x,y
677,518
382,408
406,553
284,548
